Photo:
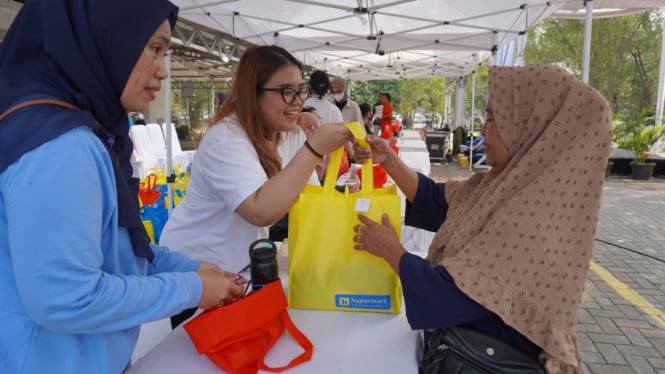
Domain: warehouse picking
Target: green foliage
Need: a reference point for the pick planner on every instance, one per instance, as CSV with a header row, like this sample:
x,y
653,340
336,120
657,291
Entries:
x,y
368,92
414,95
637,135
422,95
625,55
197,109
480,102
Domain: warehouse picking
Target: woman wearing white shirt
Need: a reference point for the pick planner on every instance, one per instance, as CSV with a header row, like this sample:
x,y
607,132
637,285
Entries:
x,y
238,187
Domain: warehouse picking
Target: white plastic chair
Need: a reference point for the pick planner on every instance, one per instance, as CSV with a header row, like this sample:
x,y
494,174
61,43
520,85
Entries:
x,y
180,157
157,139
146,158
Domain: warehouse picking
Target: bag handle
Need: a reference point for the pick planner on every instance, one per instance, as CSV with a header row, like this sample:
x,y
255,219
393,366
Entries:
x,y
152,182
298,336
331,173
336,160
45,101
33,102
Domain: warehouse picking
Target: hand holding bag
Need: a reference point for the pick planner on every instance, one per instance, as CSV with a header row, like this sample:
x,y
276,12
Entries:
x,y
325,271
462,350
236,337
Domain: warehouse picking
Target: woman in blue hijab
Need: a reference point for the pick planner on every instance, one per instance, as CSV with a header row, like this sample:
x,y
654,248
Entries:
x,y
77,273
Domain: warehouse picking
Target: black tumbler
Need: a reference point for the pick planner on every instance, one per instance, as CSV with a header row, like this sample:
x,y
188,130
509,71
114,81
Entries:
x,y
263,266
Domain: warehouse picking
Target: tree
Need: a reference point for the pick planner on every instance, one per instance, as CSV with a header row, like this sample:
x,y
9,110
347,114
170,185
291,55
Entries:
x,y
480,102
625,53
408,96
368,92
197,109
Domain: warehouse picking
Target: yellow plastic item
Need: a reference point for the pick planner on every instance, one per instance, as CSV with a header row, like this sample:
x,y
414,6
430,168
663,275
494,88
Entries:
x,y
358,131
148,228
325,271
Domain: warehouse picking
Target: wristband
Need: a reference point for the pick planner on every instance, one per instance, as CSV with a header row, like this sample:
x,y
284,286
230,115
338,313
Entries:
x,y
309,146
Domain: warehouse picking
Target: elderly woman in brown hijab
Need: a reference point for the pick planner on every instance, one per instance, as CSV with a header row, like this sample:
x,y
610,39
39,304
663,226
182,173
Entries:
x,y
512,245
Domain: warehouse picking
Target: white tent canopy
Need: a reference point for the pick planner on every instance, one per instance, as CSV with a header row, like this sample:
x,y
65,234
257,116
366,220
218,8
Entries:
x,y
606,8
375,39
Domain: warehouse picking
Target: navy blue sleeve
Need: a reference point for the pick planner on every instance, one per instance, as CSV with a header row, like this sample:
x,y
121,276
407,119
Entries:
x,y
431,297
433,300
429,207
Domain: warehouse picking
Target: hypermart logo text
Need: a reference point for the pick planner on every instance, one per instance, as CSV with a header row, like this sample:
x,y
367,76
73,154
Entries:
x,y
362,301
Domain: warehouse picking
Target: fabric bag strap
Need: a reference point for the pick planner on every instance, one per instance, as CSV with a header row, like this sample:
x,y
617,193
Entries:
x,y
45,101
367,186
299,337
33,102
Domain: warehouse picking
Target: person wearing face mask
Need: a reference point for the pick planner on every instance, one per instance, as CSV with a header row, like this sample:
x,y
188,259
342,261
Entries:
x,y
367,114
319,84
349,108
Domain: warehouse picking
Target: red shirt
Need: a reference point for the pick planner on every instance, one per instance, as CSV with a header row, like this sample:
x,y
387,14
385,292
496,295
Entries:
x,y
387,122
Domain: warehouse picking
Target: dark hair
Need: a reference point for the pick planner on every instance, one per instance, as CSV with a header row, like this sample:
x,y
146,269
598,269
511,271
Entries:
x,y
364,109
387,95
319,82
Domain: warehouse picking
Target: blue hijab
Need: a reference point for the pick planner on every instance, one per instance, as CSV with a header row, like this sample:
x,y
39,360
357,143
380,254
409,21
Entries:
x,y
80,52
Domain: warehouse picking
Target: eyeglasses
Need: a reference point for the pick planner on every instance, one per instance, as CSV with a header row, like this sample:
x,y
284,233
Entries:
x,y
289,94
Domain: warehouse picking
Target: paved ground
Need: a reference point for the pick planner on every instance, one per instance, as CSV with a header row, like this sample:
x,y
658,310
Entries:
x,y
621,328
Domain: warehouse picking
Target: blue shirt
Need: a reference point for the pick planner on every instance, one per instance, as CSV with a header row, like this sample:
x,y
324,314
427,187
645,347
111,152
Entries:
x,y
431,297
73,292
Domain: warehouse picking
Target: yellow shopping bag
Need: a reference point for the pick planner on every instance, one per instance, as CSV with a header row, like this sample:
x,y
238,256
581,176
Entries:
x,y
325,272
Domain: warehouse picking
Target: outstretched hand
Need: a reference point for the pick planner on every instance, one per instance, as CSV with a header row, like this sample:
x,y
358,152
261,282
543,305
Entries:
x,y
378,150
330,137
379,239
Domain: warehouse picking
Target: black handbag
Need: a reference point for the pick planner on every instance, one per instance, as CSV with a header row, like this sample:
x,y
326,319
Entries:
x,y
462,350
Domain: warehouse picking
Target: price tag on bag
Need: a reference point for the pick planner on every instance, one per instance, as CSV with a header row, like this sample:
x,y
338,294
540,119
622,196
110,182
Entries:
x,y
362,205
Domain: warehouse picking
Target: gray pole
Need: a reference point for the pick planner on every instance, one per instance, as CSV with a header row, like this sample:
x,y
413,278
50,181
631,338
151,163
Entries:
x,y
587,40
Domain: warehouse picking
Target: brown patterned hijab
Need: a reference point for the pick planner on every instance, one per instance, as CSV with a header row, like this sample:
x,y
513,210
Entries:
x,y
520,242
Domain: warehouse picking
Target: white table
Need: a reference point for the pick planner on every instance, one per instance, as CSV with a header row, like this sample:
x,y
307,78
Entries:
x,y
344,342
413,151
411,134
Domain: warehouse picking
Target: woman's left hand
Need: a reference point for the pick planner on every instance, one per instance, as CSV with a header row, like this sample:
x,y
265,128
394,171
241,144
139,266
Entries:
x,y
379,239
329,137
205,265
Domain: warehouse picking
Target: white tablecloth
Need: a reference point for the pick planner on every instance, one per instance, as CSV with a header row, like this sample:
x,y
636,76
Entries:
x,y
411,134
344,342
418,161
413,151
418,144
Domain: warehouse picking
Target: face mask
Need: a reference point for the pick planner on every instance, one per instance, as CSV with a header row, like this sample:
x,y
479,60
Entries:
x,y
338,97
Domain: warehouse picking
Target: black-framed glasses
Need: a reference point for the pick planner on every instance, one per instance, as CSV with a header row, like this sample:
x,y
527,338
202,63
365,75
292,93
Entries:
x,y
289,94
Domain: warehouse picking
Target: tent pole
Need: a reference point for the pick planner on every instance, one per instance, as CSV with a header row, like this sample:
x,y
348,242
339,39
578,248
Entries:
x,y
473,108
587,40
661,79
661,83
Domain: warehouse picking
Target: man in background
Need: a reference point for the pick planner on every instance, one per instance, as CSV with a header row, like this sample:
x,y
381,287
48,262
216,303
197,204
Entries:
x,y
349,108
386,117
